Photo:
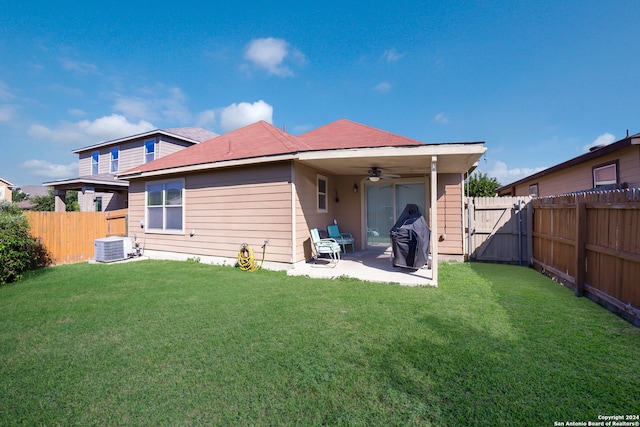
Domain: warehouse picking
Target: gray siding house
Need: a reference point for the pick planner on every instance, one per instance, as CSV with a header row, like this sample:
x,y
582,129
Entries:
x,y
98,187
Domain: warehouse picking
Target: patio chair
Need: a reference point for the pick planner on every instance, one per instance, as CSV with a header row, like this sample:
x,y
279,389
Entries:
x,y
326,246
343,239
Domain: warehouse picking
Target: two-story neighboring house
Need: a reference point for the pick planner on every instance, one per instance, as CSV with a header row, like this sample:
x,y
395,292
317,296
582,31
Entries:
x,y
5,190
98,188
616,165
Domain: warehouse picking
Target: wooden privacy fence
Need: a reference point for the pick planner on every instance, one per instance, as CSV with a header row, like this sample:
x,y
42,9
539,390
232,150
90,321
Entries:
x,y
591,243
68,236
499,229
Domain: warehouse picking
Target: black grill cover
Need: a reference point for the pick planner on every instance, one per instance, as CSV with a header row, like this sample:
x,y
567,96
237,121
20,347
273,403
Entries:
x,y
410,239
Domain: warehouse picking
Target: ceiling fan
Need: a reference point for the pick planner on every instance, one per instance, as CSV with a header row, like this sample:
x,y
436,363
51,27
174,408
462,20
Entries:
x,y
375,174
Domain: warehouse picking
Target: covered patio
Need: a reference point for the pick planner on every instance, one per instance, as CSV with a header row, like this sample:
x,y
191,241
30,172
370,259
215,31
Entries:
x,y
371,265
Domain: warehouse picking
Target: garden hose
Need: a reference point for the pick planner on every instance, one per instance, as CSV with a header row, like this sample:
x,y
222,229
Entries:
x,y
246,258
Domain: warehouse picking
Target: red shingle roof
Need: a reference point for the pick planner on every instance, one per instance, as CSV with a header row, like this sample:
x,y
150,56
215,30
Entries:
x,y
263,139
347,134
256,140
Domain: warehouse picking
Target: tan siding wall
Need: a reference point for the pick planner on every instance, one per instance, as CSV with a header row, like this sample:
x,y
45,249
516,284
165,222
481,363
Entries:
x,y
343,205
84,164
131,155
579,177
307,215
7,192
450,221
110,201
168,146
225,209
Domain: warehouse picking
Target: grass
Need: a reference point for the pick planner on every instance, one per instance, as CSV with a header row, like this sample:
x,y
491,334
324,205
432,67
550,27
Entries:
x,y
180,343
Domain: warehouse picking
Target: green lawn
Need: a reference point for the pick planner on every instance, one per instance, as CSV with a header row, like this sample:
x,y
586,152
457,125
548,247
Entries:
x,y
179,343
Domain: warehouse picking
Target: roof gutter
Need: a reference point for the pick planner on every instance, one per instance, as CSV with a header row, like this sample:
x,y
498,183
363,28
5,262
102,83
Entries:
x,y
207,166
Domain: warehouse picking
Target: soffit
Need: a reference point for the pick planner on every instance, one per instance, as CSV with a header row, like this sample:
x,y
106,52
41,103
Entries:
x,y
458,158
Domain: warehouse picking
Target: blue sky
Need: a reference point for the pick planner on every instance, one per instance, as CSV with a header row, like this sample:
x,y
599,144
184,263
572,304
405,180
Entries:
x,y
539,82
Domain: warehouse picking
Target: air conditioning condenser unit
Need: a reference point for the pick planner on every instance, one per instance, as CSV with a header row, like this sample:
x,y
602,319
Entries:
x,y
114,248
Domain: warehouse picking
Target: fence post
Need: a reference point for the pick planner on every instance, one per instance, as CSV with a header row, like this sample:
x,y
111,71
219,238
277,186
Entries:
x,y
530,232
581,231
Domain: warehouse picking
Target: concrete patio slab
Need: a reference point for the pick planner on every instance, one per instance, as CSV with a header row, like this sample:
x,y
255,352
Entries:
x,y
369,265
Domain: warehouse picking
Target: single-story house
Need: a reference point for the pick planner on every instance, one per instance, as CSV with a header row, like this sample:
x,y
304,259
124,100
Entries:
x,y
260,183
606,167
99,189
5,190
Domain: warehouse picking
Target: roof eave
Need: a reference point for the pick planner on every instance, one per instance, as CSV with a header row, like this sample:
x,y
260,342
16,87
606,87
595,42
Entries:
x,y
135,174
132,137
574,161
72,181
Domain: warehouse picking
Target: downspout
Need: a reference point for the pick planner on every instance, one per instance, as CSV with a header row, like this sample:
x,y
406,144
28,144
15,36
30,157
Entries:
x,y
294,224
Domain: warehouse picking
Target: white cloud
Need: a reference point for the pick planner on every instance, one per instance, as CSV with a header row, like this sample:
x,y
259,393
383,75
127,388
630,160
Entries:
x,y
441,118
269,53
238,115
76,112
78,66
50,170
6,113
506,176
206,118
90,132
160,102
382,87
390,55
5,94
133,106
604,139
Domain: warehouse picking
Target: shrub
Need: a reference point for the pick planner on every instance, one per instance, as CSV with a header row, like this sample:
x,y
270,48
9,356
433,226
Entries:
x,y
19,252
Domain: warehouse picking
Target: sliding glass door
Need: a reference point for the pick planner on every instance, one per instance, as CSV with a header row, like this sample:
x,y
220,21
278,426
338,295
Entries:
x,y
384,205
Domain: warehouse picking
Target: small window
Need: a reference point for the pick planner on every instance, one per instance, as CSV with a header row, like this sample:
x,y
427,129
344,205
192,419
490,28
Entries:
x,y
322,193
533,190
149,150
605,175
97,201
95,163
165,206
115,153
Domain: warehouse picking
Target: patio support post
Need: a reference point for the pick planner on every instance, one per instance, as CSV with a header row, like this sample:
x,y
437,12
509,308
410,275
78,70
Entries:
x,y
60,200
581,232
434,219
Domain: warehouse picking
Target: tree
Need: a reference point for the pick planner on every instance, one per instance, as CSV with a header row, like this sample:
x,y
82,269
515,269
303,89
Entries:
x,y
480,185
47,202
19,251
17,195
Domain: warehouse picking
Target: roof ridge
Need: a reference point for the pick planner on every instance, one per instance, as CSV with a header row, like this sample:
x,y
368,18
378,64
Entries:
x,y
291,142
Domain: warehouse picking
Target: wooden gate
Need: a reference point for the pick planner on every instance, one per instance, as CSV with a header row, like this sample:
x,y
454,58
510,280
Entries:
x,y
499,229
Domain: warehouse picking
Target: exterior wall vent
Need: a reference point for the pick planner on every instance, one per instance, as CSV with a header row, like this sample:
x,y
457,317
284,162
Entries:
x,y
113,248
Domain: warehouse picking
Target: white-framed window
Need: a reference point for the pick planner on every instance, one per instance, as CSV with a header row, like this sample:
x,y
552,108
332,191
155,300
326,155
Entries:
x,y
115,154
165,206
149,150
321,184
605,175
533,190
97,202
95,163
